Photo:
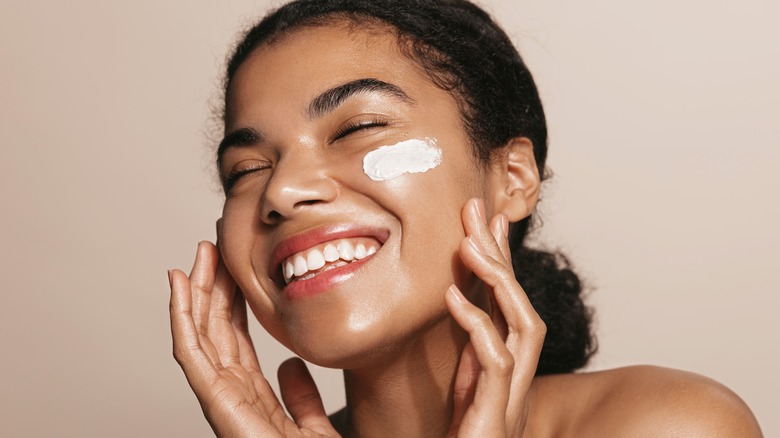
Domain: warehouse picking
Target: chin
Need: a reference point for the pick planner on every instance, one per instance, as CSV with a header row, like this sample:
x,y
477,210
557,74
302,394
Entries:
x,y
355,344
368,318
344,349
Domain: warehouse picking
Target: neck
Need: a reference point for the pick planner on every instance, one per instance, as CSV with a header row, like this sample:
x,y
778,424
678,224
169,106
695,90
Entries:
x,y
410,393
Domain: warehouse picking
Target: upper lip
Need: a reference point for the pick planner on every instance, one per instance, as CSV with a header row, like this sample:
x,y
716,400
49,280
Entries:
x,y
309,238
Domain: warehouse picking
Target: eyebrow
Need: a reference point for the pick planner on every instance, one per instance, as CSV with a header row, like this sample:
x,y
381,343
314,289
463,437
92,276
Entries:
x,y
324,103
331,99
239,137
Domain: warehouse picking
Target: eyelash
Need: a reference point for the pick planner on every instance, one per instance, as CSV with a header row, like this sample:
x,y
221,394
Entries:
x,y
354,127
232,178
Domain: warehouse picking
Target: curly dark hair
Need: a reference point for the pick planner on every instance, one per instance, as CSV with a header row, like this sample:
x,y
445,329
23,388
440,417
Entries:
x,y
466,53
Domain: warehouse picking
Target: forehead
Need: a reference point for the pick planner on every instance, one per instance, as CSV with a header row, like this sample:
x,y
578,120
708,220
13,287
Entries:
x,y
309,60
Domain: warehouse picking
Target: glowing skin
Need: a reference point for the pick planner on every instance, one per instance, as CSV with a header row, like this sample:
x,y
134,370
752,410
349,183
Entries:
x,y
304,188
410,156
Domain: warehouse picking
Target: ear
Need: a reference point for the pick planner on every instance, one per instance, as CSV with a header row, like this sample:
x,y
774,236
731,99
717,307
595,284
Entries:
x,y
514,180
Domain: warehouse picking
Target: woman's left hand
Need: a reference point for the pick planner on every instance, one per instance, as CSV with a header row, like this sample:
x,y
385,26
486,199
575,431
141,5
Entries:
x,y
211,342
499,363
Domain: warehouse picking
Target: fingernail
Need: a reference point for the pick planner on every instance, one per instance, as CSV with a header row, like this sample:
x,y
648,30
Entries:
x,y
170,280
505,225
456,294
476,245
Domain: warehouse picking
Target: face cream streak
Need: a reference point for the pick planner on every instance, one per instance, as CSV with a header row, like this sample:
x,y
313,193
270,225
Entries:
x,y
409,156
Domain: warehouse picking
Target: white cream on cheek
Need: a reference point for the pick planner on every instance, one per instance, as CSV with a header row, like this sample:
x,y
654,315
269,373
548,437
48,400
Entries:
x,y
409,156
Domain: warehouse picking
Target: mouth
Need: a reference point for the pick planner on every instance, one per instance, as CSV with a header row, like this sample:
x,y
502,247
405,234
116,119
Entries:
x,y
308,264
308,255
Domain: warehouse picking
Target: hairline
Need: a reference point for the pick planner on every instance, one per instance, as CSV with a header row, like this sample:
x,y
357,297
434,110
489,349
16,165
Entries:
x,y
405,44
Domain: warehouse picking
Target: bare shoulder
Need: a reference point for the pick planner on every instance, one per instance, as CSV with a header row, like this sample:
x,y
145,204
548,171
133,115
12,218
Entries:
x,y
641,401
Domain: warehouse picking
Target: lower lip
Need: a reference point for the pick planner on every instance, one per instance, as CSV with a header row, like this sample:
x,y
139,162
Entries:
x,y
323,282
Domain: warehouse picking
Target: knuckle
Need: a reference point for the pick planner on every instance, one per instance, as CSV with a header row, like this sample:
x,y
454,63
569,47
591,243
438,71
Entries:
x,y
532,323
482,319
182,353
504,363
499,273
506,274
536,330
178,354
539,328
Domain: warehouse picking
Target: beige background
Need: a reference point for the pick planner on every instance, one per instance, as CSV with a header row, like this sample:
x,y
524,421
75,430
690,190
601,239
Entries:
x,y
664,139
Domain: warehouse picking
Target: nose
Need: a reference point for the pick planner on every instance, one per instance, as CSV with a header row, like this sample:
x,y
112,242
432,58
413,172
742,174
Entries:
x,y
296,183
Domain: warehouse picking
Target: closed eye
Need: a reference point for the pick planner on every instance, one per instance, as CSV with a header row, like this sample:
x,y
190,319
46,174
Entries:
x,y
235,175
354,127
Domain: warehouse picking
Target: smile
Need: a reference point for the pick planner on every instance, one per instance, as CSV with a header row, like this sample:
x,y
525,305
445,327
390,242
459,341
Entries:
x,y
324,257
318,259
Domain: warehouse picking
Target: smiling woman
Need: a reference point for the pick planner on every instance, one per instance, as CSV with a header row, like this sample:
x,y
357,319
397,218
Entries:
x,y
406,276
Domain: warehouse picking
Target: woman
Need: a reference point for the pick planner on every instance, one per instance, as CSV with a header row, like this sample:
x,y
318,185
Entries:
x,y
375,155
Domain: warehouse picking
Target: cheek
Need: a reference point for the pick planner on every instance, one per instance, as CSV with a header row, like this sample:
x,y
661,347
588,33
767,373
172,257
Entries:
x,y
429,208
239,243
419,169
236,236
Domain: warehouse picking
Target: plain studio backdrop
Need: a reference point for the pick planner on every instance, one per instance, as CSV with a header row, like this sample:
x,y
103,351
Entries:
x,y
664,142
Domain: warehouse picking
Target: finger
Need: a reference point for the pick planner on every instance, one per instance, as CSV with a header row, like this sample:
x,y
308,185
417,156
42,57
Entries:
x,y
479,255
499,227
497,317
475,225
220,324
497,363
301,397
473,219
229,326
510,297
525,330
233,308
246,348
197,366
247,356
202,281
464,386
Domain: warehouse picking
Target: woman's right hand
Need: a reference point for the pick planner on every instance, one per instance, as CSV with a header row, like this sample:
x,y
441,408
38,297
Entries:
x,y
211,343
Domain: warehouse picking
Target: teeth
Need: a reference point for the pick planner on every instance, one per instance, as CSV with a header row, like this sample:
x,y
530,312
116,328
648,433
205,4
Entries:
x,y
301,266
308,276
315,260
360,251
345,251
335,265
289,270
331,253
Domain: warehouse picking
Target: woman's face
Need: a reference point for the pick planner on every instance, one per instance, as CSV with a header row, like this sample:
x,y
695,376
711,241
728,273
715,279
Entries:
x,y
301,115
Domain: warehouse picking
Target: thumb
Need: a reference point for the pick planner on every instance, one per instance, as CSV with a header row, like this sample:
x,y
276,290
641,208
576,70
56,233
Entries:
x,y
301,397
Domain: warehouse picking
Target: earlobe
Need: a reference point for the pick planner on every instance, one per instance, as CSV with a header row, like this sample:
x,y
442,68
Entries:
x,y
516,179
